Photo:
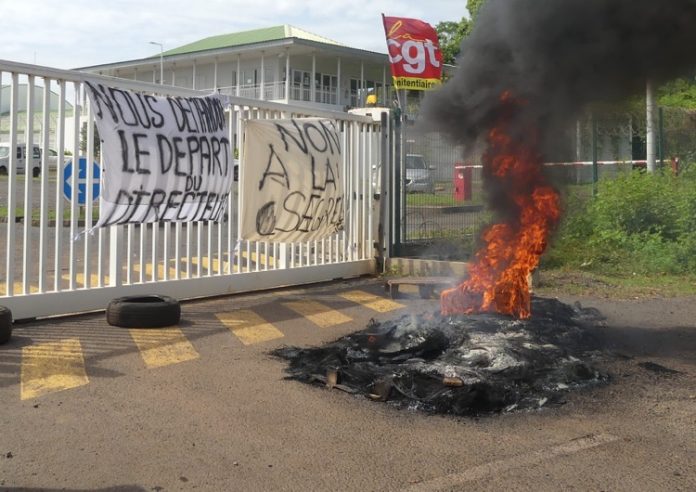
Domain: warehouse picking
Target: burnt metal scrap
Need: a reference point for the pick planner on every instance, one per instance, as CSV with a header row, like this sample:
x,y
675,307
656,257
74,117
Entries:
x,y
460,365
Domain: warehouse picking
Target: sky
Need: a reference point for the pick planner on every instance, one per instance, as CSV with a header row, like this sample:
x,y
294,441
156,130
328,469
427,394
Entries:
x,y
79,33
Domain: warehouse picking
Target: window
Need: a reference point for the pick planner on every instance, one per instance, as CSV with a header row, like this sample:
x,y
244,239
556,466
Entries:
x,y
300,85
415,162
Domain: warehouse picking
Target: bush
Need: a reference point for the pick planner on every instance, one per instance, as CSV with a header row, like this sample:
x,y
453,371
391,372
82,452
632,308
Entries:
x,y
638,223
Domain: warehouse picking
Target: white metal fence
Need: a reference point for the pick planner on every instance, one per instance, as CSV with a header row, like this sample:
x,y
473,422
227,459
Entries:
x,y
52,266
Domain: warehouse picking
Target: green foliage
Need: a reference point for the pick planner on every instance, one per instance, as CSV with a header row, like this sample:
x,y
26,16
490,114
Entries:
x,y
680,93
452,33
473,6
638,224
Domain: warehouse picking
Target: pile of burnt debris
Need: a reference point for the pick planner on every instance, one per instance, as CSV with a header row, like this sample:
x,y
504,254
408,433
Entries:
x,y
460,365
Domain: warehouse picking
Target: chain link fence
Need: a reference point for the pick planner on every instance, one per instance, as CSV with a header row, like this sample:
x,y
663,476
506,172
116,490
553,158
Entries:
x,y
444,202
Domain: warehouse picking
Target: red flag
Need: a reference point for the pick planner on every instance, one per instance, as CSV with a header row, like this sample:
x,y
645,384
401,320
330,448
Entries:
x,y
414,53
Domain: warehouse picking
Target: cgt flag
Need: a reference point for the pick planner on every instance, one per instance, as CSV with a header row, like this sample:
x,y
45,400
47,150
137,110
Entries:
x,y
414,53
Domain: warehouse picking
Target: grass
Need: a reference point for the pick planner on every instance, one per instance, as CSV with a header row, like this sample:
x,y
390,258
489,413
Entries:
x,y
36,213
587,284
436,200
442,197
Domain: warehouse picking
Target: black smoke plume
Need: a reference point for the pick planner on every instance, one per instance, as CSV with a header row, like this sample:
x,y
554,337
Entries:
x,y
558,56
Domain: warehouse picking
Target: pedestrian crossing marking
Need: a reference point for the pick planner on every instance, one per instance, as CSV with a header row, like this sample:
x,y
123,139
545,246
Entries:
x,y
249,327
160,270
80,279
371,301
17,288
163,347
50,367
319,314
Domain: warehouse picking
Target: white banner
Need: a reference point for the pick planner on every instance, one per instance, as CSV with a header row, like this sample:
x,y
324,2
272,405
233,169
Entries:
x,y
165,158
292,180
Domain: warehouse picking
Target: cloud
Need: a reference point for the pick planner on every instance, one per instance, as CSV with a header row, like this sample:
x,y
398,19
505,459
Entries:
x,y
77,33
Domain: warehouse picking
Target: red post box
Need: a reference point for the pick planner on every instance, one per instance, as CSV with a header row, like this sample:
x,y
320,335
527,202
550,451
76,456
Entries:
x,y
462,182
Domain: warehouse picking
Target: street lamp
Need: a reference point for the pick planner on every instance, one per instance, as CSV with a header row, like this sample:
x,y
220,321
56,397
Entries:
x,y
161,60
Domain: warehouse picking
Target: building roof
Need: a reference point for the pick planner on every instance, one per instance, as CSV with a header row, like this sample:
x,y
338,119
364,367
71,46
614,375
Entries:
x,y
248,37
6,98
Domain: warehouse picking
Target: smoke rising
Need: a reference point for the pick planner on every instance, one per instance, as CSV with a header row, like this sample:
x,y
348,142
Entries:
x,y
558,56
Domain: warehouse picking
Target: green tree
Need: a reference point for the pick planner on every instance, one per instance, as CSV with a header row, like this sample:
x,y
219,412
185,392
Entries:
x,y
680,93
452,33
473,6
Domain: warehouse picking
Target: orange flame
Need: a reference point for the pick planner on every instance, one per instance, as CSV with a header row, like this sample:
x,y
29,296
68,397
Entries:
x,y
498,277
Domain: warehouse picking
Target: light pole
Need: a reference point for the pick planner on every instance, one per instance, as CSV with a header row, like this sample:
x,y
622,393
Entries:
x,y
161,60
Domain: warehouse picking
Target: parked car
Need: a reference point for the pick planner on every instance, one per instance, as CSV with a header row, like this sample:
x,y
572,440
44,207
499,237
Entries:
x,y
21,159
418,177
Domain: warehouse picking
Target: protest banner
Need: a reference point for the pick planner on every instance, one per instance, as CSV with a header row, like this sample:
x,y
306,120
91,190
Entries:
x,y
165,158
292,182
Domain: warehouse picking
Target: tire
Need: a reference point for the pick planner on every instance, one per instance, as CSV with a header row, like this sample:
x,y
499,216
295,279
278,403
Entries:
x,y
3,171
149,311
5,325
36,172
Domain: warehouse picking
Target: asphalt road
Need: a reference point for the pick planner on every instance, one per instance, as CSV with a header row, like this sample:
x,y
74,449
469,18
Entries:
x,y
207,408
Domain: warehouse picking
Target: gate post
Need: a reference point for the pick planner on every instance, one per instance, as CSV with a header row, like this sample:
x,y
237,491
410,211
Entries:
x,y
383,241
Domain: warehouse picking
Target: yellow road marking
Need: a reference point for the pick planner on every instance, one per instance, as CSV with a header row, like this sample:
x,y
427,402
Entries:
x,y
319,314
262,258
160,270
163,347
80,279
17,288
205,263
50,367
249,327
371,301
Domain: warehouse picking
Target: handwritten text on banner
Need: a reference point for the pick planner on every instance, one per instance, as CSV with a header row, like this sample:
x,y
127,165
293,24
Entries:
x,y
292,180
165,158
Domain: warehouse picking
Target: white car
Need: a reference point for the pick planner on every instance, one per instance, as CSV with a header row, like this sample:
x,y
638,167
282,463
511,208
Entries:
x,y
20,160
418,177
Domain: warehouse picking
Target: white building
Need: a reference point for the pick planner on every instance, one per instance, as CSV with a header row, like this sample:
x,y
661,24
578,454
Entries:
x,y
255,64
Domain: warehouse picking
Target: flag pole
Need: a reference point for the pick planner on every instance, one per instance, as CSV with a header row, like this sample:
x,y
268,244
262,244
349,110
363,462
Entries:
x,y
396,90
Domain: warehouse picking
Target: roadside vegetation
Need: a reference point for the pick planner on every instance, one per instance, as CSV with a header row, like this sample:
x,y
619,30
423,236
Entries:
x,y
637,236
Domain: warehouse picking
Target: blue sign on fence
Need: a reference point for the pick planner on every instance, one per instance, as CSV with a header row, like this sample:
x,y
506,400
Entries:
x,y
81,180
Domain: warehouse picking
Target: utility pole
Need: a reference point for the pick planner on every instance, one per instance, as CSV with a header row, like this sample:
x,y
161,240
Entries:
x,y
651,130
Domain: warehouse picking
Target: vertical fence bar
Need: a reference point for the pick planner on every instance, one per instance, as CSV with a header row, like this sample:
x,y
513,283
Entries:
x,y
72,258
355,190
142,229
199,253
231,203
12,188
43,219
28,175
189,268
177,250
154,263
100,232
166,260
369,196
129,253
89,196
365,139
60,168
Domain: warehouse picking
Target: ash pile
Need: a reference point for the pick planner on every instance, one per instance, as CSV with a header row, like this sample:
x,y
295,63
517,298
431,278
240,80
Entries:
x,y
460,365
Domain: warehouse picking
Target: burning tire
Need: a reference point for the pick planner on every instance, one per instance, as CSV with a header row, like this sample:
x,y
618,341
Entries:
x,y
150,311
5,324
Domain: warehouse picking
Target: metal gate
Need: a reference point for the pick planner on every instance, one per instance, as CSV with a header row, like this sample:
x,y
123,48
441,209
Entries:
x,y
438,206
52,265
